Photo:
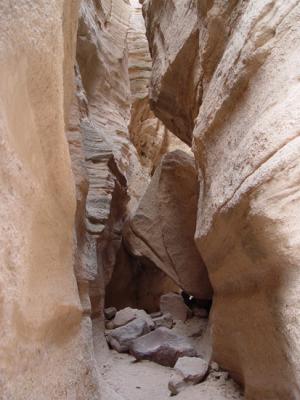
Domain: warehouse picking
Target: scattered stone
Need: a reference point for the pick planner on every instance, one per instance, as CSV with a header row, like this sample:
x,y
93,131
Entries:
x,y
192,369
128,314
156,314
177,384
143,315
109,325
188,371
120,338
165,320
214,366
162,346
173,304
110,312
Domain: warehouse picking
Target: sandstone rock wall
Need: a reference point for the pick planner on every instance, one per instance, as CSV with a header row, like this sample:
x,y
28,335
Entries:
x,y
45,347
245,141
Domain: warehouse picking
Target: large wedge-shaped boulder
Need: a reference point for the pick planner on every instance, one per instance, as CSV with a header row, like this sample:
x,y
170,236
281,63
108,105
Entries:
x,y
162,229
162,346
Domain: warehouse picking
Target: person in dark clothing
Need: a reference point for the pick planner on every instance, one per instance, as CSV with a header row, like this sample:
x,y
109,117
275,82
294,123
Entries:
x,y
192,302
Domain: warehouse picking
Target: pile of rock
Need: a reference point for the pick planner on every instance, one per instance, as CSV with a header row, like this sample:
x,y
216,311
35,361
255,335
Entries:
x,y
152,337
146,337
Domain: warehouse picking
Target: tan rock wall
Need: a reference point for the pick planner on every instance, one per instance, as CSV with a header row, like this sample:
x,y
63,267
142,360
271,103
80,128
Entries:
x,y
44,349
246,147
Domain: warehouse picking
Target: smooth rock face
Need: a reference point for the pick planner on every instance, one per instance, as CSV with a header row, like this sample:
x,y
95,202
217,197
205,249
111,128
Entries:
x,y
163,226
45,350
161,346
173,304
121,338
247,152
173,33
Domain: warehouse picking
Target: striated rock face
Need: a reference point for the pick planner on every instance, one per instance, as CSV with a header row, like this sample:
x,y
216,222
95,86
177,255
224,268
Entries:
x,y
163,226
114,173
247,150
45,350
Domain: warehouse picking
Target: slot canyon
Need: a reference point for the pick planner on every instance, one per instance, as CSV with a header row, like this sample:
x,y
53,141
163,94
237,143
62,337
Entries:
x,y
150,199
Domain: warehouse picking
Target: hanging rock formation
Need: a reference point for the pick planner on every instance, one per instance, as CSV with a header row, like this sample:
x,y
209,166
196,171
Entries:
x,y
163,226
246,144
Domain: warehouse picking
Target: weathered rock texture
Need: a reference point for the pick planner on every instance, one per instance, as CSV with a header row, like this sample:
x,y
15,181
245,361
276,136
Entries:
x,y
162,229
246,144
45,350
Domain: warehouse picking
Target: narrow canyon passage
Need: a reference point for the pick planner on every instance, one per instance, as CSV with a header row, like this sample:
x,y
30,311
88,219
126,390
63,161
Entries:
x,y
150,201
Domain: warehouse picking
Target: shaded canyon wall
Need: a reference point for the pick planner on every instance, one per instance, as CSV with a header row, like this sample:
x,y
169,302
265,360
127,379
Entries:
x,y
236,96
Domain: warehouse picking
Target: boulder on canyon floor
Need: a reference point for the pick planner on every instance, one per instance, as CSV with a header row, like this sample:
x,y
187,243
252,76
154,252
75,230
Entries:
x,y
121,338
162,346
173,304
162,229
188,371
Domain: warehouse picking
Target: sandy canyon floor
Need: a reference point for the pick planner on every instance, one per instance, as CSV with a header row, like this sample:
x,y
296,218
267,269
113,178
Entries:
x,y
125,379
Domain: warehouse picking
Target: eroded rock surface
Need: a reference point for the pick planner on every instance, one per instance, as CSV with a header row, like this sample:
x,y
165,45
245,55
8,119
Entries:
x,y
246,145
